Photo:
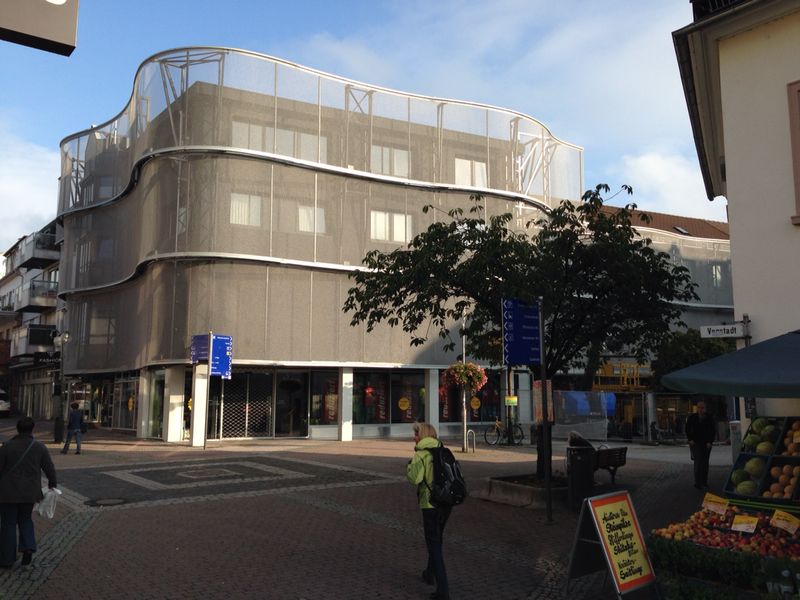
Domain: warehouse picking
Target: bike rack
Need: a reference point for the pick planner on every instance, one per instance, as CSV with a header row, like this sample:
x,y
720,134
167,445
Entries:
x,y
471,432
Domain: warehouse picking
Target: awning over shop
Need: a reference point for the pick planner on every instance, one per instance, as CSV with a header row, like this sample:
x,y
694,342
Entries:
x,y
769,369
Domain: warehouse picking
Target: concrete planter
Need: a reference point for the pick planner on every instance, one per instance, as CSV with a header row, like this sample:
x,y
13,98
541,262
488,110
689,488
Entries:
x,y
503,491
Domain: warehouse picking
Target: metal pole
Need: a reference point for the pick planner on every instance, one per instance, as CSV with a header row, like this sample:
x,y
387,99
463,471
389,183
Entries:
x,y
509,392
464,387
548,451
208,389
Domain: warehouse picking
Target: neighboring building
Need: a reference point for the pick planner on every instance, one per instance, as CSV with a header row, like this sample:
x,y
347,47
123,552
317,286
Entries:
x,y
235,193
29,361
702,246
741,75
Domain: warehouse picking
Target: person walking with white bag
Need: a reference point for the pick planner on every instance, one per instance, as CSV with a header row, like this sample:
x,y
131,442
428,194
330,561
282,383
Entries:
x,y
22,460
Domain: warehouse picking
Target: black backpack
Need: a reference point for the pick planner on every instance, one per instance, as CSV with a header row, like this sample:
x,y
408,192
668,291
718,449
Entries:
x,y
449,487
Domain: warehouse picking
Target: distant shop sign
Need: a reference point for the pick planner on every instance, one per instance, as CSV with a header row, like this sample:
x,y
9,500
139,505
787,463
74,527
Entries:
x,y
734,330
46,359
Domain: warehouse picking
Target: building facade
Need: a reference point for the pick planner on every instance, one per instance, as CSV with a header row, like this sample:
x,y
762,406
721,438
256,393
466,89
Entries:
x,y
235,193
29,317
741,76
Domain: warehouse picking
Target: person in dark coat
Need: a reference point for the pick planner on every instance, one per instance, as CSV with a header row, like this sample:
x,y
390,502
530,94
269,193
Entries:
x,y
74,427
701,431
22,460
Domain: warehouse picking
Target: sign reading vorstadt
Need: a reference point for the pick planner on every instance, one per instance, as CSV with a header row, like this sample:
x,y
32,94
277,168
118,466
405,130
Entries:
x,y
734,330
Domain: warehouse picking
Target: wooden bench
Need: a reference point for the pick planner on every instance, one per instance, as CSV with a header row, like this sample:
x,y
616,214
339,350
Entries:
x,y
610,459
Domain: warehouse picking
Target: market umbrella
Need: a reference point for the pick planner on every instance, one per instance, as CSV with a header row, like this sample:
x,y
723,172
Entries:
x,y
769,369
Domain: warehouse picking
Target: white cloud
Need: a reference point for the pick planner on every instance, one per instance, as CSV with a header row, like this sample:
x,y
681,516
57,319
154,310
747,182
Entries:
x,y
600,75
28,187
668,183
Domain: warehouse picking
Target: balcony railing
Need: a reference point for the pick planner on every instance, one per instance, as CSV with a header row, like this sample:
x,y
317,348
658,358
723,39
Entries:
x,y
31,338
36,252
37,296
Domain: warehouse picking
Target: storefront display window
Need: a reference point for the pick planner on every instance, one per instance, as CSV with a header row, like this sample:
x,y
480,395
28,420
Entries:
x,y
324,397
483,405
408,397
125,403
370,398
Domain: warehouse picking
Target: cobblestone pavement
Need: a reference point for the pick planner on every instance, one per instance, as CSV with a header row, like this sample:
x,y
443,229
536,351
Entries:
x,y
307,520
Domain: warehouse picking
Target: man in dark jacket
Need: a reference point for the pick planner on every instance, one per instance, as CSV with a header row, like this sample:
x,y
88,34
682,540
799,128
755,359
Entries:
x,y
74,428
701,431
22,460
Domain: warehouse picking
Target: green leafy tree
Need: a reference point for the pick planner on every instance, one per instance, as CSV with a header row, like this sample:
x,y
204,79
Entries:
x,y
603,287
683,349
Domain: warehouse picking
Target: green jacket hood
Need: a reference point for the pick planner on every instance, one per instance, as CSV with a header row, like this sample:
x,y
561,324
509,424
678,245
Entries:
x,y
426,443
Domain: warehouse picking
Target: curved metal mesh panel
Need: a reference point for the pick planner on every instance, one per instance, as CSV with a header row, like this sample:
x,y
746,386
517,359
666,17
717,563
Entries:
x,y
220,97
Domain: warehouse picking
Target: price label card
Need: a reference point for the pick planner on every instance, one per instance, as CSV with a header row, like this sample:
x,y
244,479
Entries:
x,y
744,523
715,504
785,521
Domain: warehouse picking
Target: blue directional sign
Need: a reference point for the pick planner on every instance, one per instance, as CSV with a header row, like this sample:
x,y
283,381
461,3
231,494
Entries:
x,y
221,353
521,333
199,348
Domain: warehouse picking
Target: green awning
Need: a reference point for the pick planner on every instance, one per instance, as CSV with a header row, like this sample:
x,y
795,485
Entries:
x,y
769,369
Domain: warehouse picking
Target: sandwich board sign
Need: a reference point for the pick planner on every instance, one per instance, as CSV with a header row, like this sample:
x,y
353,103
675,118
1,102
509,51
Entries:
x,y
609,537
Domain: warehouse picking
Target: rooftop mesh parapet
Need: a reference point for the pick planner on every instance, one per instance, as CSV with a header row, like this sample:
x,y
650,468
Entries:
x,y
223,99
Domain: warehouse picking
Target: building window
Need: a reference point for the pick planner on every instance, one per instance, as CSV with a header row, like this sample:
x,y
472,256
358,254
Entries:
x,y
245,209
389,161
286,141
390,227
324,397
716,276
794,128
310,219
470,172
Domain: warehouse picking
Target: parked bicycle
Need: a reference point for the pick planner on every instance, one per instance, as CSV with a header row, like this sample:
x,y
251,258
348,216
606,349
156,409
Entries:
x,y
498,431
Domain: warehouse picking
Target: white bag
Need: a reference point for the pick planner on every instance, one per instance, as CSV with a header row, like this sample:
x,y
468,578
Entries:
x,y
47,507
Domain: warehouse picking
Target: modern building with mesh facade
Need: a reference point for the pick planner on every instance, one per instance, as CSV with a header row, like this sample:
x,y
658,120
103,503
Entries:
x,y
235,193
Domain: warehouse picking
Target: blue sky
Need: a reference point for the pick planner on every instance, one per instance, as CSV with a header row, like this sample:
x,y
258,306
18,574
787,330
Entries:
x,y
601,74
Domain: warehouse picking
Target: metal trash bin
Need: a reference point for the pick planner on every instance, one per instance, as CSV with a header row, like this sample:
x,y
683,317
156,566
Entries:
x,y
580,474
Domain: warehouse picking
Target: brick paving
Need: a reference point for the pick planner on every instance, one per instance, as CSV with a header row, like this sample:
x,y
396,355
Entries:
x,y
307,520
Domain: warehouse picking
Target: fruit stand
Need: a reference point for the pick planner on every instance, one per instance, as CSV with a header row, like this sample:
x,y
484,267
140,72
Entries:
x,y
746,545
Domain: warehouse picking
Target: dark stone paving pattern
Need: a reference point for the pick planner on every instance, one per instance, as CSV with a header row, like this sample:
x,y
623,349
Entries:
x,y
328,527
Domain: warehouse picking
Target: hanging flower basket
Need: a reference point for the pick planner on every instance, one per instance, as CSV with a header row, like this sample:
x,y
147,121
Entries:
x,y
469,375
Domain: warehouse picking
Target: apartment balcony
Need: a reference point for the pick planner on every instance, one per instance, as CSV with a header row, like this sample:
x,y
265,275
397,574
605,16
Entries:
x,y
36,252
37,296
31,338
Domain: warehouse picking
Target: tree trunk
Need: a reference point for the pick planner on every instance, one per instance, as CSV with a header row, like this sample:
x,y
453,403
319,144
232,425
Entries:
x,y
590,369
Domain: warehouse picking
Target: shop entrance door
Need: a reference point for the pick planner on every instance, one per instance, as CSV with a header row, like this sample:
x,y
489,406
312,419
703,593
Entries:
x,y
247,405
291,404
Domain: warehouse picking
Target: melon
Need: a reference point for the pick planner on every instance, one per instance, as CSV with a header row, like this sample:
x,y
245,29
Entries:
x,y
752,440
765,448
746,488
738,476
759,424
755,466
770,433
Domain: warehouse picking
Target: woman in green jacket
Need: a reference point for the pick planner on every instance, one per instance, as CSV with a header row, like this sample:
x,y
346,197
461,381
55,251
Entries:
x,y
420,474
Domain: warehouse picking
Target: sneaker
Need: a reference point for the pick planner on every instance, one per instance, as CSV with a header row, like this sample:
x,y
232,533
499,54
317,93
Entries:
x,y
77,451
27,556
63,452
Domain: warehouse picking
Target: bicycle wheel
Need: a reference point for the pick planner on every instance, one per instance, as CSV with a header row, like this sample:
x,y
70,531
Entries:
x,y
519,434
492,435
